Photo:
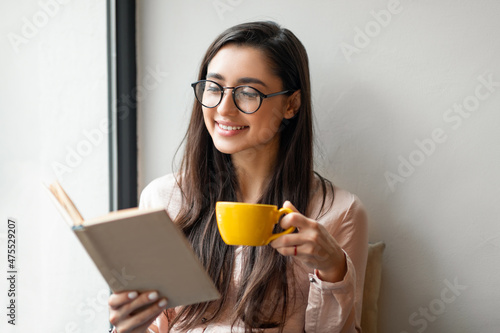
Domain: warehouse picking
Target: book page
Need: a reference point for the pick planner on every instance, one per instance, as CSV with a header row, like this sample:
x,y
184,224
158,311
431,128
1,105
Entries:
x,y
63,199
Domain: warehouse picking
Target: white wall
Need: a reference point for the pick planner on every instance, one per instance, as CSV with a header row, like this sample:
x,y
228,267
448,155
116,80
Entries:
x,y
53,96
440,218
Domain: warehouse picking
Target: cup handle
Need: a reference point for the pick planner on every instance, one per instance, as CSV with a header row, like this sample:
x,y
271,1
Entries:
x,y
281,211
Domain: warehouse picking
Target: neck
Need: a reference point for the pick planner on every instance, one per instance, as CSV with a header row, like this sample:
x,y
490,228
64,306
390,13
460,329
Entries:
x,y
253,167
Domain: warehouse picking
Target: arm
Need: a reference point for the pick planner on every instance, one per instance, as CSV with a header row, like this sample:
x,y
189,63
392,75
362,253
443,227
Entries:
x,y
336,247
338,305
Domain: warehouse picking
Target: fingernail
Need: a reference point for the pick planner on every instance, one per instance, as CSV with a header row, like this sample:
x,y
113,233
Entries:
x,y
153,295
162,303
132,294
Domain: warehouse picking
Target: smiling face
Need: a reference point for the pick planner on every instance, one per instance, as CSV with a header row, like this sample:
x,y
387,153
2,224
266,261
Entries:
x,y
231,130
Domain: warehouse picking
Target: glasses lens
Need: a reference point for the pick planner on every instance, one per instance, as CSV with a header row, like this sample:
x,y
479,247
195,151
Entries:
x,y
247,99
208,93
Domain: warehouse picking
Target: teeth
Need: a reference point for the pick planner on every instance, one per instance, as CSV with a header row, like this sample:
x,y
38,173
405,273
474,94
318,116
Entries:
x,y
230,128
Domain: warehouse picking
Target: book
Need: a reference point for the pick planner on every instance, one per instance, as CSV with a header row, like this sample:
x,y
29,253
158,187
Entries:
x,y
139,249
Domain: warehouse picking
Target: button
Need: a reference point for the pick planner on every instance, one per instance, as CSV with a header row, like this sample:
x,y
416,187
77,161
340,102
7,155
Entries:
x,y
312,280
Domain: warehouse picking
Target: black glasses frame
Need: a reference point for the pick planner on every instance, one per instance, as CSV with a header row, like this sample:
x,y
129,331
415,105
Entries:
x,y
223,90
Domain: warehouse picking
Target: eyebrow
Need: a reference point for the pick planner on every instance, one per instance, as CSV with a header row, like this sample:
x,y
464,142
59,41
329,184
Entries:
x,y
241,80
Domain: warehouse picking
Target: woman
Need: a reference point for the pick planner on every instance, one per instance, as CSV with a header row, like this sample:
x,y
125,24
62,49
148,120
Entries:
x,y
250,139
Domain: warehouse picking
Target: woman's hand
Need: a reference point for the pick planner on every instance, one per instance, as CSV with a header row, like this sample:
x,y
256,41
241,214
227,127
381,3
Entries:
x,y
131,312
313,245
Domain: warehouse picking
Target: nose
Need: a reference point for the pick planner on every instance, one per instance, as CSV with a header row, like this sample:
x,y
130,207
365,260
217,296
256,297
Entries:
x,y
227,106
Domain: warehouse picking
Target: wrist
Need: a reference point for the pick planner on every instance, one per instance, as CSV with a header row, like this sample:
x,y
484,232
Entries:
x,y
335,274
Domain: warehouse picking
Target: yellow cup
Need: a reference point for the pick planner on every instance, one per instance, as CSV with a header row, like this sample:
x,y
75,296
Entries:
x,y
248,224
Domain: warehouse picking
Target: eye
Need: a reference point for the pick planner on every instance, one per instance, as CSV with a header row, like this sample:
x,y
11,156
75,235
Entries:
x,y
247,93
212,88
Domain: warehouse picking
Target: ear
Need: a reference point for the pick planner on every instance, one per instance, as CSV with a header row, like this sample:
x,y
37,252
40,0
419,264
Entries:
x,y
293,105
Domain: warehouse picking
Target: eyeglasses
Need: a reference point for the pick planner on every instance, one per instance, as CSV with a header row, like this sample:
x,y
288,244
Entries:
x,y
247,99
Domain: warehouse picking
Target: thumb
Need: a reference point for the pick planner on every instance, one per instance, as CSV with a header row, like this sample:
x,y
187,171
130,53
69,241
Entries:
x,y
290,220
288,204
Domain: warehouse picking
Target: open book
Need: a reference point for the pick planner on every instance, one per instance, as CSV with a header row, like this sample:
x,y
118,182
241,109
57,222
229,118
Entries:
x,y
140,250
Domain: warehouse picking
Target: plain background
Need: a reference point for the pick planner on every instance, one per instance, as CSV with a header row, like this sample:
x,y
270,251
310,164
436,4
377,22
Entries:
x,y
53,102
441,224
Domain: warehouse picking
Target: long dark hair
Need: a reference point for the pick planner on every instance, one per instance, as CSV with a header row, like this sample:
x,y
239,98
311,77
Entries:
x,y
207,176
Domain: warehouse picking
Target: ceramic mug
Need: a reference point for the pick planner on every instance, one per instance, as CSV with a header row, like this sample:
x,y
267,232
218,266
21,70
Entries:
x,y
249,224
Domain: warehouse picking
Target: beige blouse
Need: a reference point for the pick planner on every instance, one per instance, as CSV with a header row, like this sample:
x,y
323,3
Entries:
x,y
319,306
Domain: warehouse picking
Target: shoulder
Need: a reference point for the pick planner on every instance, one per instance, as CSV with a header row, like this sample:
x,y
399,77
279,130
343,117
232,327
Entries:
x,y
162,192
336,207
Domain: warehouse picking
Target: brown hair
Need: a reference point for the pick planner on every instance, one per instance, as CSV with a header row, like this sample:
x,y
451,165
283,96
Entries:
x,y
208,176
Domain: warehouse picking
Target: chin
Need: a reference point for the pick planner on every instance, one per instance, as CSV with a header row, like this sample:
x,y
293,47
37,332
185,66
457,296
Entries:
x,y
225,150
228,148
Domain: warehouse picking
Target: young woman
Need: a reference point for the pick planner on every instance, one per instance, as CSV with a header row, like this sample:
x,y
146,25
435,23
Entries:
x,y
250,139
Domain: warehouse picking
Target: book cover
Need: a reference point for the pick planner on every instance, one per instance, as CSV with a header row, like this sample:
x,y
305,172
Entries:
x,y
140,250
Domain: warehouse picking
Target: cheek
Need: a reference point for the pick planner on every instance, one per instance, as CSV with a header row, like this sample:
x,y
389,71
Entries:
x,y
271,122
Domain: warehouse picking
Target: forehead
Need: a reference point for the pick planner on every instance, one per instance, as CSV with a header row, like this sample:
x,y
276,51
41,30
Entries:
x,y
233,62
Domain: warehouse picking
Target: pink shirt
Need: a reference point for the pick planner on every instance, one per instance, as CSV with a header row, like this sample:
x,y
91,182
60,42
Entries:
x,y
319,306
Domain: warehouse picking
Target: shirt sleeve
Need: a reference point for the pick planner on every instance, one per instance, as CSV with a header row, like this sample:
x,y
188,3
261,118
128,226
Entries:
x,y
162,192
336,307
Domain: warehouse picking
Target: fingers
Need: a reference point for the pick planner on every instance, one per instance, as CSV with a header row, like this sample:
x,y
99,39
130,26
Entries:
x,y
140,321
290,250
293,245
288,204
134,312
313,244
118,299
289,220
295,219
289,240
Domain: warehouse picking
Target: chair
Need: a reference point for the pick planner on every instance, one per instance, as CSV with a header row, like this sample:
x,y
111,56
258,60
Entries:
x,y
373,276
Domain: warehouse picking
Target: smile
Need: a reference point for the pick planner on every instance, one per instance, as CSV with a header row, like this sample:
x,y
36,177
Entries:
x,y
231,128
